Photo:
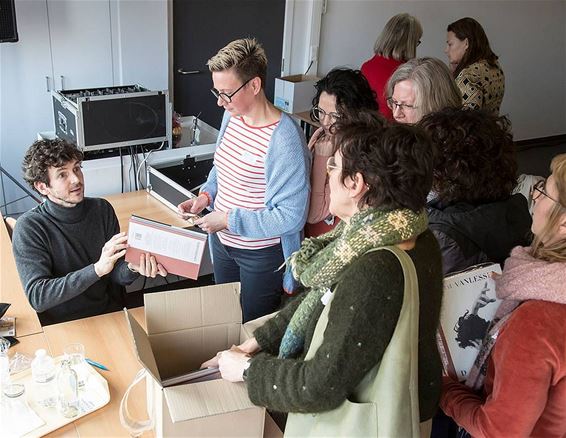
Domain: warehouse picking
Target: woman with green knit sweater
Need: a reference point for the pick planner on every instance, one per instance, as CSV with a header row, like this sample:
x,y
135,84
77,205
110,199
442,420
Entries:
x,y
355,354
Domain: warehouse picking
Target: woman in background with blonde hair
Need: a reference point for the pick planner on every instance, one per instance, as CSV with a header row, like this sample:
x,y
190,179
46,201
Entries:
x,y
419,87
396,44
517,386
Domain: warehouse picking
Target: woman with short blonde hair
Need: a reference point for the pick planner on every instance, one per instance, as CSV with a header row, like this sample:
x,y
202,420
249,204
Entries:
x,y
246,56
396,44
258,188
419,87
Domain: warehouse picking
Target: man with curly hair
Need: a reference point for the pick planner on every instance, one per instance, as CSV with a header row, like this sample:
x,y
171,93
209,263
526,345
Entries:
x,y
69,250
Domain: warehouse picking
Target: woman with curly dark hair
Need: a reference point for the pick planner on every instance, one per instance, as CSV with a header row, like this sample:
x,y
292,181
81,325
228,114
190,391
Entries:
x,y
342,357
473,214
342,93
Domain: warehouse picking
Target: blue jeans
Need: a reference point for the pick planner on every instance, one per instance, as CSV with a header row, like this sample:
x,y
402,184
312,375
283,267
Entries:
x,y
256,270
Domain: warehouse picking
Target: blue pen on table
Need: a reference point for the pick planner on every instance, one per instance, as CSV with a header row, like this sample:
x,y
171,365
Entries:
x,y
96,364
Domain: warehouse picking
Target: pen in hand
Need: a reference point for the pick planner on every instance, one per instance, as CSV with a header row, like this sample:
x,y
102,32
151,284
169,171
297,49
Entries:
x,y
96,364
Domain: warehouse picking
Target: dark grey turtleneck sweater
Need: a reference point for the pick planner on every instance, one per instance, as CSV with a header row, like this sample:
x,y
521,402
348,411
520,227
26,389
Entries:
x,y
55,249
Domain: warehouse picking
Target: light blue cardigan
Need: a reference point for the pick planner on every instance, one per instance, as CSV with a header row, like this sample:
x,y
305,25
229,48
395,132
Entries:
x,y
287,192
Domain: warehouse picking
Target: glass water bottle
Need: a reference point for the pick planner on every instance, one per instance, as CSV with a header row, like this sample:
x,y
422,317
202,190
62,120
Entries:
x,y
68,385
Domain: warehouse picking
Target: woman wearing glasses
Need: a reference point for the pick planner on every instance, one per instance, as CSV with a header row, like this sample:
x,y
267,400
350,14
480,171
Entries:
x,y
472,212
396,44
347,350
517,386
258,187
474,65
340,94
419,87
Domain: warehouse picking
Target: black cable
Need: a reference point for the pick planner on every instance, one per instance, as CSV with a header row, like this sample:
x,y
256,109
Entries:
x,y
144,162
121,170
130,170
136,165
132,164
309,67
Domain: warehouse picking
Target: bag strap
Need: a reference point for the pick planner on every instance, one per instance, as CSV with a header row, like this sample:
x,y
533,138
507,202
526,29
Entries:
x,y
134,426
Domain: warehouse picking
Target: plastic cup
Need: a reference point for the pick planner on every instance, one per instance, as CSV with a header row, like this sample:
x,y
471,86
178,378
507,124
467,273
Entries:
x,y
75,353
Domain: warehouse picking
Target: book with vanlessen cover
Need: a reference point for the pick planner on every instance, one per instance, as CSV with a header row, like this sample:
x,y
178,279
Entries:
x,y
178,250
468,307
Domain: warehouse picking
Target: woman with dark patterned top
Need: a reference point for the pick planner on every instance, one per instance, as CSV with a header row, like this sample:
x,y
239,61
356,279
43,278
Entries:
x,y
474,65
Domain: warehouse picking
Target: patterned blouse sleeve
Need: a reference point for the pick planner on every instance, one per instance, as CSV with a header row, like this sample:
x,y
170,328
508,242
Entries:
x,y
471,89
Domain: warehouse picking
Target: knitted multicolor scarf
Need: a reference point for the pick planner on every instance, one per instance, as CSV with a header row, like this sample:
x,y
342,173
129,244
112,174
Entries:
x,y
321,260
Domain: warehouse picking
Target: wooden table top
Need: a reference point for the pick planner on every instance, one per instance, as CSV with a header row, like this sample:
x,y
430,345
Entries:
x,y
107,340
142,204
11,290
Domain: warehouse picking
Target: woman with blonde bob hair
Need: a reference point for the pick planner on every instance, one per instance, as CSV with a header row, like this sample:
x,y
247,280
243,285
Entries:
x,y
396,44
419,87
524,352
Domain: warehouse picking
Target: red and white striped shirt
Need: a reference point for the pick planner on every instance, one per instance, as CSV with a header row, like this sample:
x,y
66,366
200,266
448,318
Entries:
x,y
240,170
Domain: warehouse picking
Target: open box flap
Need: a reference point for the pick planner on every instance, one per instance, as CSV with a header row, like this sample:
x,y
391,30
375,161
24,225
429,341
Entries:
x,y
142,347
198,400
183,309
248,328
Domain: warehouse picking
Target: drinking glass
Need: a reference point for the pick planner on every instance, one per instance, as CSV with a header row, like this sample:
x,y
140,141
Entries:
x,y
75,353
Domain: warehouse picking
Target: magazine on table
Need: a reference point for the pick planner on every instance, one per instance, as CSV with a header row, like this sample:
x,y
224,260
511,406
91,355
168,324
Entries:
x,y
468,307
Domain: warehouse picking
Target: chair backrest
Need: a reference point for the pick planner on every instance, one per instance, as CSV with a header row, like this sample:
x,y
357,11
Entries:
x,y
10,225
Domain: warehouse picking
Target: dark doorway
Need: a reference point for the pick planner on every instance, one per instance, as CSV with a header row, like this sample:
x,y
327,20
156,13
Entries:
x,y
201,28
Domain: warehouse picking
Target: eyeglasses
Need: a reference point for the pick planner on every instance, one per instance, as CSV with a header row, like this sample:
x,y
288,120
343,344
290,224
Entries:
x,y
393,104
225,96
539,188
331,164
320,114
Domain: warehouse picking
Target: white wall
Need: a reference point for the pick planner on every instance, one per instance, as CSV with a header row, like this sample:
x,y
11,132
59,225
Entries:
x,y
139,35
528,35
141,55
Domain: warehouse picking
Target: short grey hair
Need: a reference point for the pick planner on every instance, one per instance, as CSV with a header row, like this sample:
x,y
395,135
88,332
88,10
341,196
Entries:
x,y
399,38
434,86
245,55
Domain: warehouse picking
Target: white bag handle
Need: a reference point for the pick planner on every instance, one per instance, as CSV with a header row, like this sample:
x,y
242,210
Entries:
x,y
136,427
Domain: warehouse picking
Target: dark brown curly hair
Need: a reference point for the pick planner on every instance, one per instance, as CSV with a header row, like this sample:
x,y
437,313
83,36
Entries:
x,y
474,155
351,90
395,161
44,154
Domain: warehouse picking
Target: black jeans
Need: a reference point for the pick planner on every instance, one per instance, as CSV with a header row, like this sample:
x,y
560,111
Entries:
x,y
256,270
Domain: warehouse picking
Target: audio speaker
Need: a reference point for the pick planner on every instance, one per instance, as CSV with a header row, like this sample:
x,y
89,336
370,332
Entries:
x,y
8,29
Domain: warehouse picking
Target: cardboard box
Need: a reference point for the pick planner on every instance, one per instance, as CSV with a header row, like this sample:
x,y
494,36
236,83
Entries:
x,y
294,94
184,328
